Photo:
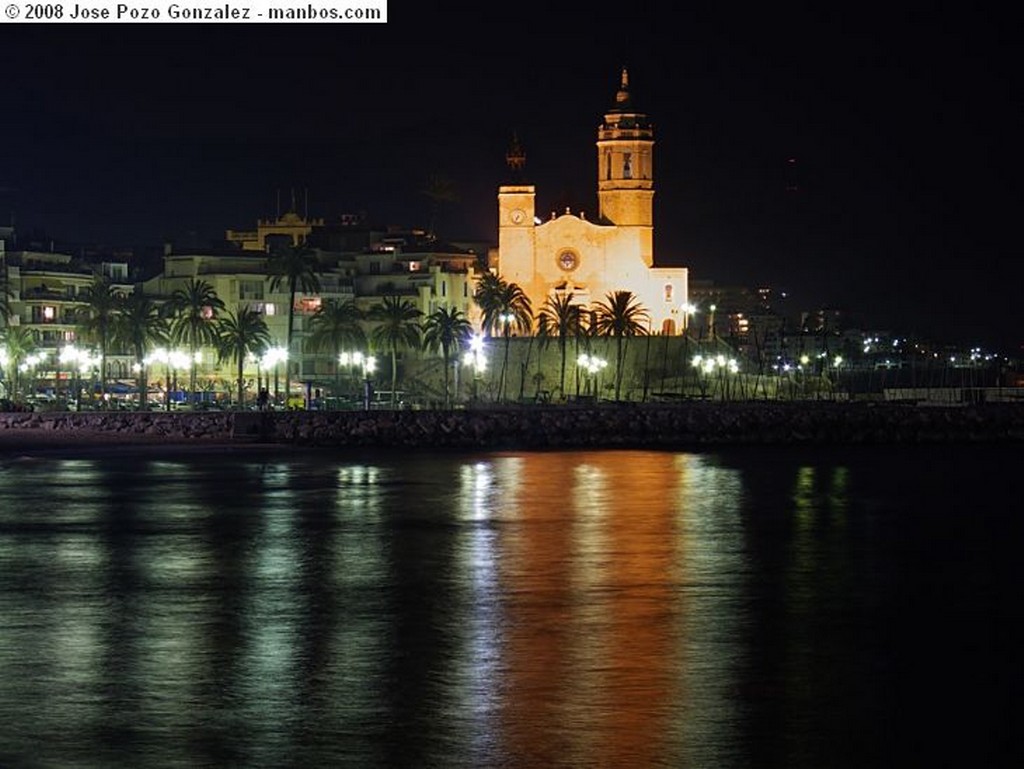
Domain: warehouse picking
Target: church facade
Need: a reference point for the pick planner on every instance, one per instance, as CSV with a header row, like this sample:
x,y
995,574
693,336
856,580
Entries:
x,y
569,254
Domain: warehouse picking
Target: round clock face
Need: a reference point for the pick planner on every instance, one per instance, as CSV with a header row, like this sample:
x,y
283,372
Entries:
x,y
517,216
568,260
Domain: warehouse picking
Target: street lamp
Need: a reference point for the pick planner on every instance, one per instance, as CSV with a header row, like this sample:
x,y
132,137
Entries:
x,y
709,364
80,362
593,366
688,310
172,360
476,358
31,363
270,360
367,364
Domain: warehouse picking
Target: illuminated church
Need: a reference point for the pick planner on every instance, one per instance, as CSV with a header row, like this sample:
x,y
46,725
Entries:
x,y
568,254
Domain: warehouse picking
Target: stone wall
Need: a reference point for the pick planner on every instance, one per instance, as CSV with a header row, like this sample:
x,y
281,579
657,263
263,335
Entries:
x,y
544,427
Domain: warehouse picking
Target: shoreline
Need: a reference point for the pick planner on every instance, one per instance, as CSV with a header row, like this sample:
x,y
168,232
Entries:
x,y
627,425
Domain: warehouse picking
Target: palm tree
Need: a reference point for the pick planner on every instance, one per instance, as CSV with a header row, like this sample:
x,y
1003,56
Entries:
x,y
296,268
337,324
140,324
487,296
622,317
238,335
19,342
543,342
98,321
193,311
561,318
446,328
505,307
397,327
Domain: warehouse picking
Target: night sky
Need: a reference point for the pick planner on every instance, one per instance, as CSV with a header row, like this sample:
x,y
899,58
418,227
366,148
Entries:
x,y
904,132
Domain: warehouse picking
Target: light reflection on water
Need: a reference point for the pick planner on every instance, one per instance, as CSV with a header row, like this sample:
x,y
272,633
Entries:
x,y
568,609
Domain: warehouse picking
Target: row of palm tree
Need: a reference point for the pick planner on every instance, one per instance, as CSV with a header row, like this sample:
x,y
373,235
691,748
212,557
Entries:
x,y
397,324
195,317
136,324
506,309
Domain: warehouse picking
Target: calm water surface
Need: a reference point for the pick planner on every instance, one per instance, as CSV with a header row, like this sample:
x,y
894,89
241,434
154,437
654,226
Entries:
x,y
759,608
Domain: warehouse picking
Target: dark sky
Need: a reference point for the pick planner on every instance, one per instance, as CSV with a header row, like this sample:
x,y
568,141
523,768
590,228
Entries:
x,y
904,130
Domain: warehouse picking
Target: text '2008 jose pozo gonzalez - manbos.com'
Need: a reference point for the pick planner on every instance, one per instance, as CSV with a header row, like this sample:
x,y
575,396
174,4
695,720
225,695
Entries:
x,y
254,11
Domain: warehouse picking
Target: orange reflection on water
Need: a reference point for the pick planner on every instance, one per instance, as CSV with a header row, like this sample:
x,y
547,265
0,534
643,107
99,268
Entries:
x,y
591,576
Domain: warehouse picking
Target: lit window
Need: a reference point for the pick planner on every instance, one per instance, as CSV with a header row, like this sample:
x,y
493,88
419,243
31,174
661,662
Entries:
x,y
49,313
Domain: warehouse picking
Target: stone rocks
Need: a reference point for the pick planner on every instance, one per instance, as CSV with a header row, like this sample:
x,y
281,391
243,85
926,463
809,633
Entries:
x,y
675,426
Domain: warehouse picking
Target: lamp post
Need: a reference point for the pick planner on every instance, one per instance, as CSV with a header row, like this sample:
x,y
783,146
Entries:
x,y
31,363
688,310
366,364
67,357
706,365
257,361
802,368
270,360
475,358
172,360
78,362
593,366
837,361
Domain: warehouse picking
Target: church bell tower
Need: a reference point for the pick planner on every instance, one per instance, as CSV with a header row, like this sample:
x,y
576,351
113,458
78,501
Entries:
x,y
625,164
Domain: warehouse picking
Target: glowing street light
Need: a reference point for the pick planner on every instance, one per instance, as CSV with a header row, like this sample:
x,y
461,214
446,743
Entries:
x,y
173,360
688,309
81,362
367,364
477,360
273,356
593,366
31,363
709,364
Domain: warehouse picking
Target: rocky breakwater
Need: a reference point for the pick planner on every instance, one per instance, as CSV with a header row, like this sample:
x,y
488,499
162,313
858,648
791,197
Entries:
x,y
649,426
682,426
105,427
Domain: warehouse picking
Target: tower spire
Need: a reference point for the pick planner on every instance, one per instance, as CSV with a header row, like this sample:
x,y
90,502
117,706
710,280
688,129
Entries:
x,y
515,157
625,168
622,95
